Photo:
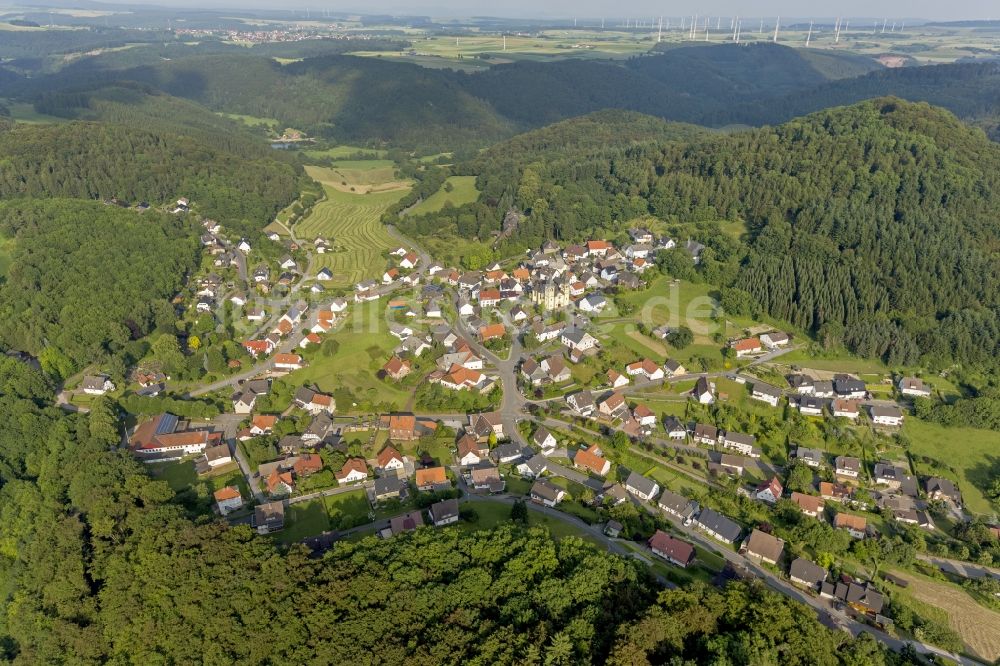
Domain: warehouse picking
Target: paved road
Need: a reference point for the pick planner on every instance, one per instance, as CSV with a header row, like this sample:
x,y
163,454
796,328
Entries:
x,y
821,606
960,568
228,423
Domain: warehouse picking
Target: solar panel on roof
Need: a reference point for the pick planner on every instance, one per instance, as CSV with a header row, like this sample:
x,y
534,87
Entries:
x,y
166,425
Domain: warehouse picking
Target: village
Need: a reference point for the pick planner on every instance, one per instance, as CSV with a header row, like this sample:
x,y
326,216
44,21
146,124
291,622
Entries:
x,y
530,398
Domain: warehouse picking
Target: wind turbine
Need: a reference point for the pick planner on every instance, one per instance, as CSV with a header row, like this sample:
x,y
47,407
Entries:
x,y
810,33
777,22
659,33
837,38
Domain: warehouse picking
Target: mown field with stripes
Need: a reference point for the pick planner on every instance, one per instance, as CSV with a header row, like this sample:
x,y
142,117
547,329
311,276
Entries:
x,y
351,222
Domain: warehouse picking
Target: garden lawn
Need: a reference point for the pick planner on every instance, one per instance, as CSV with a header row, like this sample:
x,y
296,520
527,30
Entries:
x,y
365,346
302,520
972,453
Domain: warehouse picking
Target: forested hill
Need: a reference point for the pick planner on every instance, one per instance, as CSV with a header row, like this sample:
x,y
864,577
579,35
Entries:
x,y
371,100
103,564
875,225
103,160
969,90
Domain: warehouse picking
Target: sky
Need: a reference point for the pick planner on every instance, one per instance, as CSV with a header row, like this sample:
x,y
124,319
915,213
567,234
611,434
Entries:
x,y
610,9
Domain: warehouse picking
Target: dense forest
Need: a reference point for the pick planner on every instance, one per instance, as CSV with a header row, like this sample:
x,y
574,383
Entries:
x,y
102,563
371,100
111,160
872,226
87,279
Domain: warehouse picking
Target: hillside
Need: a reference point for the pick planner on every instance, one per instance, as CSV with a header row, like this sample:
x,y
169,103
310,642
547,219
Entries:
x,y
344,98
89,160
873,225
369,100
969,90
86,279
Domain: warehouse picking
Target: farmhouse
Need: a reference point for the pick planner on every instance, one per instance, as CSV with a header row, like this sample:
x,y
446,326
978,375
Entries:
x,y
645,368
775,339
746,347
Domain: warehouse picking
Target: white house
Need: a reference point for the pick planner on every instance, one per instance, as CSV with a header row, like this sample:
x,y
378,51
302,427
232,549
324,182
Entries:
x,y
914,386
96,385
642,487
228,499
774,339
645,368
578,340
703,392
887,415
766,393
244,246
324,274
739,442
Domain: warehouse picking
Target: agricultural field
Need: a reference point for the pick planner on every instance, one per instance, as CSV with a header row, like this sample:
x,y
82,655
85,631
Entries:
x,y
352,223
24,112
463,191
343,152
978,627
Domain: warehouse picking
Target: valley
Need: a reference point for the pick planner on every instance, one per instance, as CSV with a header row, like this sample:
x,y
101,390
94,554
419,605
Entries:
x,y
387,339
